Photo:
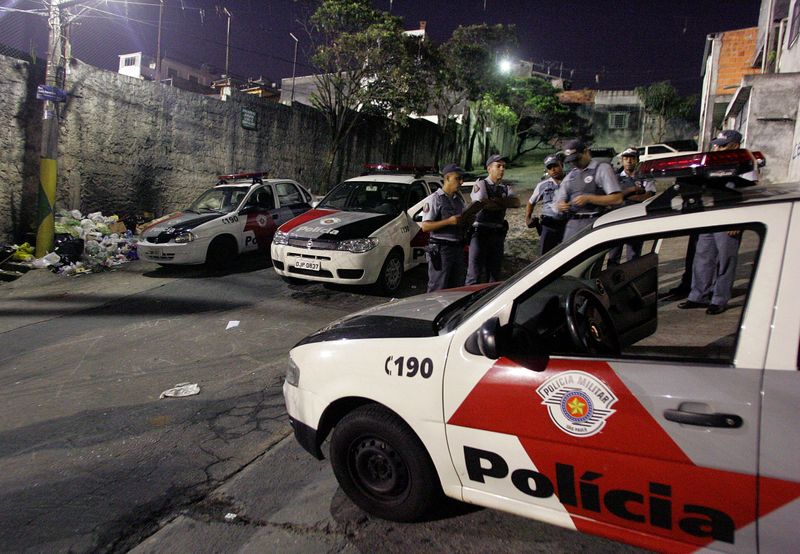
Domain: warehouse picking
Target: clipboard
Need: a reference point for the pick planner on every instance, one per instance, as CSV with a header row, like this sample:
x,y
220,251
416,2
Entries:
x,y
472,210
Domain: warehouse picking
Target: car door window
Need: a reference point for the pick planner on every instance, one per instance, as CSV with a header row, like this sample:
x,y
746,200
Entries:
x,y
288,194
609,304
262,199
416,192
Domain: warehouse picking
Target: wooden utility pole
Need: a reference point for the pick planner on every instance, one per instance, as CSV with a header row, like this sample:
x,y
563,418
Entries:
x,y
48,164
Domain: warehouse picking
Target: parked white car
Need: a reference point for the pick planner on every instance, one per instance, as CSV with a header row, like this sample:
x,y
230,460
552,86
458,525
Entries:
x,y
666,150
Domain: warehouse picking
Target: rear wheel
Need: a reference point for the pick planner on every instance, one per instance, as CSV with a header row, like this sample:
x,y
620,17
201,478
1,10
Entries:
x,y
222,252
382,465
391,276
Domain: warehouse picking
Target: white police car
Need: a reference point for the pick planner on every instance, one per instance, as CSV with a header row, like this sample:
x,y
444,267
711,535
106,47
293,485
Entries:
x,y
576,393
240,214
364,231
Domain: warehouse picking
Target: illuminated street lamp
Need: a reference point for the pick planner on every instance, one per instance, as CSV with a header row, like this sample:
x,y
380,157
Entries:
x,y
294,63
505,66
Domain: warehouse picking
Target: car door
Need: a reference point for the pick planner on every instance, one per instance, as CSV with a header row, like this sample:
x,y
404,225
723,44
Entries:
x,y
655,444
292,201
261,218
632,295
417,192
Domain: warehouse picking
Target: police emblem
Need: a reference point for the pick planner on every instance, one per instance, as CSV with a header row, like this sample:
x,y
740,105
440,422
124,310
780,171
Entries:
x,y
578,403
329,221
261,220
426,208
476,188
588,179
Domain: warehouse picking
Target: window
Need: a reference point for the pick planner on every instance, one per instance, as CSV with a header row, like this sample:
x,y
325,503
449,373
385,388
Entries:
x,y
172,73
416,193
129,61
288,194
659,150
263,198
604,309
618,120
193,79
794,29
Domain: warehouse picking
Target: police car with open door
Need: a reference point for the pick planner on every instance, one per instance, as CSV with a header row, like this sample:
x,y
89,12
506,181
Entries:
x,y
365,231
240,214
578,393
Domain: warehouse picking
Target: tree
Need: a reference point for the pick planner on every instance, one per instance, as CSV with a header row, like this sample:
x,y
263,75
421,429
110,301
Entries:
x,y
662,103
365,66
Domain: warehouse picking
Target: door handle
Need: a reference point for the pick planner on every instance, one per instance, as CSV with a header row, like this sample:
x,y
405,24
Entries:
x,y
727,421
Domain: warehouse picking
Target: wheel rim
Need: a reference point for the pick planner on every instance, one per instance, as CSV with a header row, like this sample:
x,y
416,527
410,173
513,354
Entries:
x,y
393,274
377,469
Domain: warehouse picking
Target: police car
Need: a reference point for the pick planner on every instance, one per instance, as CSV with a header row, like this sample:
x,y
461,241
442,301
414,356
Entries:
x,y
365,231
577,393
240,214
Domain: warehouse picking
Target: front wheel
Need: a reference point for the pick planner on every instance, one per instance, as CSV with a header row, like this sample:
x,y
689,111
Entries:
x,y
391,276
222,252
382,465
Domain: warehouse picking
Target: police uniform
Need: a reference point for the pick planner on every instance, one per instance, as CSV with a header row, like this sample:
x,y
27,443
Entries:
x,y
714,268
634,249
490,228
595,178
445,251
552,221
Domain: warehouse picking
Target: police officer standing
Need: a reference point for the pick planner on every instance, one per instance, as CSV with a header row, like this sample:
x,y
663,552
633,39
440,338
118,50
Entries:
x,y
490,227
441,217
551,223
634,191
586,190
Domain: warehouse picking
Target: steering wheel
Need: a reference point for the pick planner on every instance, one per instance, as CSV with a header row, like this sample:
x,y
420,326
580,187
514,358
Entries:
x,y
589,323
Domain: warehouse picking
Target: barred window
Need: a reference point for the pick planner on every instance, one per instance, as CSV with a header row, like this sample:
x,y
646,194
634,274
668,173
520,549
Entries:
x,y
129,61
618,120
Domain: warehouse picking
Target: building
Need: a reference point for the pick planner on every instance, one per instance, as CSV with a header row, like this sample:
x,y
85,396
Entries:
x,y
173,72
763,104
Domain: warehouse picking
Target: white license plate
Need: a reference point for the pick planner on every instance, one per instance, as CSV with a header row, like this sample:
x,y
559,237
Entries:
x,y
311,265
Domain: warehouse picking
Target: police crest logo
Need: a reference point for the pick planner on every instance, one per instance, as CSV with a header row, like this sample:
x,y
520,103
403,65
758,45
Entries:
x,y
578,403
426,208
329,221
588,179
476,188
261,220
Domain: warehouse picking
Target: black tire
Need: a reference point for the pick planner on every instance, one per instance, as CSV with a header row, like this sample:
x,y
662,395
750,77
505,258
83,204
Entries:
x,y
222,252
383,466
391,277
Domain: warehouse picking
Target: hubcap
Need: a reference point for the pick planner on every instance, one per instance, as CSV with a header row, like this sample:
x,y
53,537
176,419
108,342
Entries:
x,y
394,273
378,468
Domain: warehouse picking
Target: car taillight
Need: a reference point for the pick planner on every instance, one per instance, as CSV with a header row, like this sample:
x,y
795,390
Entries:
x,y
722,163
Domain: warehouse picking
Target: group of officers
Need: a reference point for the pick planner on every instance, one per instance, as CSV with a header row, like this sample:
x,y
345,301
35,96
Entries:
x,y
569,203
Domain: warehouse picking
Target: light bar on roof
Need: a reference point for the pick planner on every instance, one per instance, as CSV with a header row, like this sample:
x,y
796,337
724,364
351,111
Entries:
x,y
722,163
232,176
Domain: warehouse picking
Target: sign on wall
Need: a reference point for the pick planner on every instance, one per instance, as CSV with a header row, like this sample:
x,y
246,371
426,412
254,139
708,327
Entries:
x,y
249,119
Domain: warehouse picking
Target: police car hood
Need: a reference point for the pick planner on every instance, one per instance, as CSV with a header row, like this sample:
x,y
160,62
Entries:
x,y
179,222
410,317
335,224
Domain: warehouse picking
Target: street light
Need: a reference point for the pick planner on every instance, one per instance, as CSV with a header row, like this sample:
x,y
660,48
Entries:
x,y
294,63
227,42
505,65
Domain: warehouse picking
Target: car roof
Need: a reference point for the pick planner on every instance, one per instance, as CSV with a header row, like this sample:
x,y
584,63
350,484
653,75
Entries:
x,y
249,182
394,178
759,194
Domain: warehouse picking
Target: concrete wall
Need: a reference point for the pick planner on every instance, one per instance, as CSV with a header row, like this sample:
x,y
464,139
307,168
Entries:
x,y
128,145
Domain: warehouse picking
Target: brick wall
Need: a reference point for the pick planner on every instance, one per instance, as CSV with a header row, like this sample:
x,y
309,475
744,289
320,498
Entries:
x,y
735,59
128,145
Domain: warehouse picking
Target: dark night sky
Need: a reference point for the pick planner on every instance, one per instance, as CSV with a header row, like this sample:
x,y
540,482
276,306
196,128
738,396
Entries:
x,y
624,43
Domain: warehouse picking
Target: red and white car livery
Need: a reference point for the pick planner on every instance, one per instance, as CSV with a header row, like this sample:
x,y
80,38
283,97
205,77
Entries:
x,y
240,214
364,231
577,393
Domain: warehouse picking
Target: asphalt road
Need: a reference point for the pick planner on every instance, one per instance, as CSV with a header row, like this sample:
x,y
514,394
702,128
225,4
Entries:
x,y
91,460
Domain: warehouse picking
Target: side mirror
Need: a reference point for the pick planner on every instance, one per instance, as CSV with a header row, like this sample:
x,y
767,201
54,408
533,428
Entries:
x,y
485,341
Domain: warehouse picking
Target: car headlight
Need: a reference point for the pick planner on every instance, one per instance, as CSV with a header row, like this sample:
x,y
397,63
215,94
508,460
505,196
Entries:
x,y
292,373
280,238
186,236
357,245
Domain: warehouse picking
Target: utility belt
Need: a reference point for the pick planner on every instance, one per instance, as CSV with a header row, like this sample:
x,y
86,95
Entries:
x,y
585,215
444,242
553,222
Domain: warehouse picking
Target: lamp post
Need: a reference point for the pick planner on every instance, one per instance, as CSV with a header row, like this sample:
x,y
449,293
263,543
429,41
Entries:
x,y
227,42
294,64
158,43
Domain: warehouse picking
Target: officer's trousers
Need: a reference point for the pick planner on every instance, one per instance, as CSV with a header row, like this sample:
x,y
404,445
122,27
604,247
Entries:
x,y
445,265
714,268
485,255
575,225
552,234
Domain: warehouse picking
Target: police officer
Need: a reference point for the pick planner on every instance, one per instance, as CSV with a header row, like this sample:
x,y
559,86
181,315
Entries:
x,y
441,217
587,190
716,254
551,223
490,227
634,191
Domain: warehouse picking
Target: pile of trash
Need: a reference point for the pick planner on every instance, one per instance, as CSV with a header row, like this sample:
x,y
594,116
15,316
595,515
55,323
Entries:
x,y
84,244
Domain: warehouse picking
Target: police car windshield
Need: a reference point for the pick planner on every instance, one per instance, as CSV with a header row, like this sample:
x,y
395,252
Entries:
x,y
459,311
366,196
219,199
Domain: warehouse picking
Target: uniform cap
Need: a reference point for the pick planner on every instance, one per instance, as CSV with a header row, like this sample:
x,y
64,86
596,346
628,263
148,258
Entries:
x,y
452,168
630,152
551,160
727,136
573,149
495,158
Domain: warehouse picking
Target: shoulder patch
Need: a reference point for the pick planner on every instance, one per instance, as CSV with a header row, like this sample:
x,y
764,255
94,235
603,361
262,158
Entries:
x,y
426,208
476,188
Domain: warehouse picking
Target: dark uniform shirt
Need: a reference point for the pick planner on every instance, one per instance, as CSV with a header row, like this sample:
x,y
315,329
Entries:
x,y
439,206
485,189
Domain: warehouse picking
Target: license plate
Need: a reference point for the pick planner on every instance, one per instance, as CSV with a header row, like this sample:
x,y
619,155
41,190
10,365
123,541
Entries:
x,y
311,265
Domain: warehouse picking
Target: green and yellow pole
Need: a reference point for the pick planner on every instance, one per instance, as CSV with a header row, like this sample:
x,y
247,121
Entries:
x,y
45,216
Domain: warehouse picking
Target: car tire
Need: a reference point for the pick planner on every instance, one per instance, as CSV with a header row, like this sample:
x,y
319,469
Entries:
x,y
382,465
391,277
222,252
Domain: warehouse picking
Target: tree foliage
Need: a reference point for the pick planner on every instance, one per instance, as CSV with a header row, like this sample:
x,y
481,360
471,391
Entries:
x,y
662,103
